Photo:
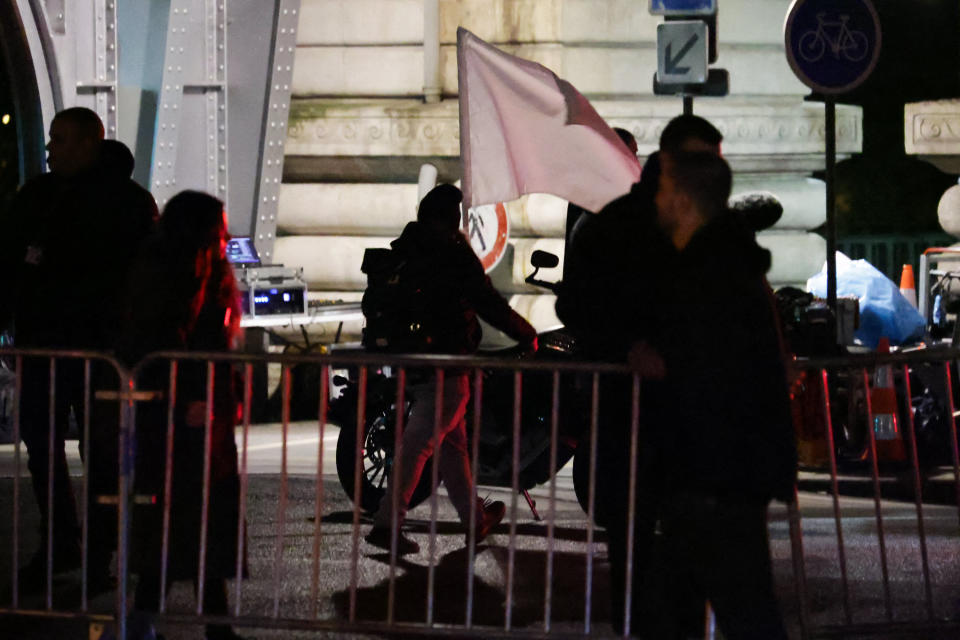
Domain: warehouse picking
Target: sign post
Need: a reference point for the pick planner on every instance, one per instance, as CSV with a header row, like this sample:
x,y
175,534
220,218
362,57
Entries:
x,y
686,44
832,47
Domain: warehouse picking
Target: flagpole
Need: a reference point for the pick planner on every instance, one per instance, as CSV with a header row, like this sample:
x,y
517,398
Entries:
x,y
463,98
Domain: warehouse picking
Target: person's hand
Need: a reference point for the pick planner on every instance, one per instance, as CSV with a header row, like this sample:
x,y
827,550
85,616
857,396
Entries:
x,y
196,415
646,361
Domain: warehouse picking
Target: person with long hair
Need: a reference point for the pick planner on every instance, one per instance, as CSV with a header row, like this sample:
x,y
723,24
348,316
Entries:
x,y
183,296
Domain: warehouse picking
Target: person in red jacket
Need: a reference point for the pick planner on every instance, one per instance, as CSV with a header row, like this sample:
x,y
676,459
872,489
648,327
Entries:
x,y
459,291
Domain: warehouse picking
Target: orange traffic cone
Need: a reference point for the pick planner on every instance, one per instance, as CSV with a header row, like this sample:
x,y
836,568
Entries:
x,y
907,286
883,403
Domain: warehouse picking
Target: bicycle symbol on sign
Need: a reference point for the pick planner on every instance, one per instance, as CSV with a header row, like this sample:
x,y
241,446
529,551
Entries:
x,y
843,41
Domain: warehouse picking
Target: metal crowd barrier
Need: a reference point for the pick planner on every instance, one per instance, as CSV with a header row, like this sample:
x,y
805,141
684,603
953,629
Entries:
x,y
311,570
892,586
74,370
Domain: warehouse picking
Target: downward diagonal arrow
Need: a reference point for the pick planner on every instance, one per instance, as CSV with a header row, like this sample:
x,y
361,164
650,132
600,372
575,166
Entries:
x,y
670,65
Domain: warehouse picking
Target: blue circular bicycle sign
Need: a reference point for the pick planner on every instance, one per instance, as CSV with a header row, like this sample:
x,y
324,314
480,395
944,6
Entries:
x,y
832,45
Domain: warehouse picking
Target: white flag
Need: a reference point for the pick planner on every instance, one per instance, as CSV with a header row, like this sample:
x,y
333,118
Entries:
x,y
524,130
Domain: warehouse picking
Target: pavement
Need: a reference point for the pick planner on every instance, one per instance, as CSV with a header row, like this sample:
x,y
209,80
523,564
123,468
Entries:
x,y
433,583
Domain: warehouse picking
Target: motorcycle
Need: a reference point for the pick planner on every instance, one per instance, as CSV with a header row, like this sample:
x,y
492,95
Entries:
x,y
495,453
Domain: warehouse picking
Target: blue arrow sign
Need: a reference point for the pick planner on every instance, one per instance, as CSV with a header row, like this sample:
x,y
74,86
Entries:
x,y
683,7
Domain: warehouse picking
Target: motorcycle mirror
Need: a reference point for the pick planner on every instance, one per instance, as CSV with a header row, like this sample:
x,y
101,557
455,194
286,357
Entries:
x,y
544,259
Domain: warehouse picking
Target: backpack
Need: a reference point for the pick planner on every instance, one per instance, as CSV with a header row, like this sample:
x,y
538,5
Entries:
x,y
400,312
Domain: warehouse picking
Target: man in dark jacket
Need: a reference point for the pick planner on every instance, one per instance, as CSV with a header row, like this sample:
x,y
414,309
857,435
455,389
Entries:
x,y
720,422
68,240
459,291
613,271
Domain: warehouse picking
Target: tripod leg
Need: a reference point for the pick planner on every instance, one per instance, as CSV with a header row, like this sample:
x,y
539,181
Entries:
x,y
531,503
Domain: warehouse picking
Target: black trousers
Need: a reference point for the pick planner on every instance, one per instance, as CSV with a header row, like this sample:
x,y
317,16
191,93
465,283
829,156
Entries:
x,y
717,550
42,450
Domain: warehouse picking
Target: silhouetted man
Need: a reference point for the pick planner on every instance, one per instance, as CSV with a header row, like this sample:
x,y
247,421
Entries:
x,y
68,241
614,270
719,424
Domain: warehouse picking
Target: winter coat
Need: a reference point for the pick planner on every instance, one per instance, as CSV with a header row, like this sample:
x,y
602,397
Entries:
x,y
66,247
722,414
615,264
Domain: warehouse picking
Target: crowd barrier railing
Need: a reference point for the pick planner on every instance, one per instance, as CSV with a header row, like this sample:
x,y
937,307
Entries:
x,y
859,440
309,567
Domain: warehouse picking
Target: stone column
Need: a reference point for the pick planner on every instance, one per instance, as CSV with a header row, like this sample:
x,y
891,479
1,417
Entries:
x,y
432,83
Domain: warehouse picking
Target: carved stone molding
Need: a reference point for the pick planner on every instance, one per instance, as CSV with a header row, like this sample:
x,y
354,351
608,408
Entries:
x,y
408,128
932,131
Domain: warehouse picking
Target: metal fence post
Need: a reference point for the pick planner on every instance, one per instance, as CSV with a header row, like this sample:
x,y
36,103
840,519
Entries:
x,y
127,459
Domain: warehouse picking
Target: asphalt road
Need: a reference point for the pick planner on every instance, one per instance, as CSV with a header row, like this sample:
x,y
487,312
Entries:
x,y
280,579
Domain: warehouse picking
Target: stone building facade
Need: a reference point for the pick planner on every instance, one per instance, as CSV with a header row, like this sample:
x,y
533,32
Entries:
x,y
374,99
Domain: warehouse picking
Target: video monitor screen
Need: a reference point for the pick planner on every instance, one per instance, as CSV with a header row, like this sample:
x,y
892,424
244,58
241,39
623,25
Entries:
x,y
241,251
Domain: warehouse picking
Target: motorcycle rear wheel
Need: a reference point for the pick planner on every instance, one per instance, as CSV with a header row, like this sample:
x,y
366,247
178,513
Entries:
x,y
377,460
